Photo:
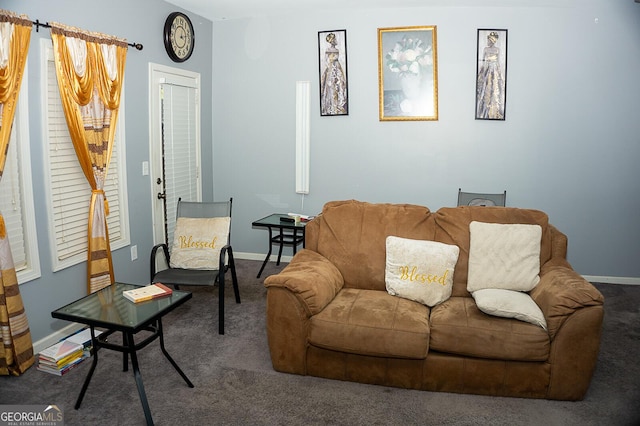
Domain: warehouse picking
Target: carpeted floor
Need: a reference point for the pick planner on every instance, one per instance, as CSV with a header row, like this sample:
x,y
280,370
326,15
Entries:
x,y
236,385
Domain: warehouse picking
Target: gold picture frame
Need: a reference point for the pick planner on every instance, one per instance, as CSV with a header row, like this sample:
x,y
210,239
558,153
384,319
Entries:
x,y
408,73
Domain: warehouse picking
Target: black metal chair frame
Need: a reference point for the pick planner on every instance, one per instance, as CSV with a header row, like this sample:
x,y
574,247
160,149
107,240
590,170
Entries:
x,y
198,277
480,199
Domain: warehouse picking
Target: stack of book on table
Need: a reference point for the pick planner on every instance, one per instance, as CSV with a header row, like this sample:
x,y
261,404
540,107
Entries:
x,y
148,292
61,357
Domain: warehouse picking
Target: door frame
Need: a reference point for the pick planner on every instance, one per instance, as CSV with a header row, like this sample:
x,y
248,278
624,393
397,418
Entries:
x,y
162,74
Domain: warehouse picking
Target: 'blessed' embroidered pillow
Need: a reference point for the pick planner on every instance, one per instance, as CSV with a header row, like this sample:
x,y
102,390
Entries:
x,y
197,242
420,270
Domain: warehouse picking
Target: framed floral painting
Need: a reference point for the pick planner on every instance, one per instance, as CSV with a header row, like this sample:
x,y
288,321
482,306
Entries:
x,y
491,75
408,73
332,58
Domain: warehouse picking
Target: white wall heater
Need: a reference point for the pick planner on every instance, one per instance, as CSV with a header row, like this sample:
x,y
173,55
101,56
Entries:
x,y
303,136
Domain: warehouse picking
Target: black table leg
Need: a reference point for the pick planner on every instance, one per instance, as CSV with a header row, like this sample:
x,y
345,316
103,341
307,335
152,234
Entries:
x,y
136,373
85,385
125,355
166,354
280,241
295,241
266,259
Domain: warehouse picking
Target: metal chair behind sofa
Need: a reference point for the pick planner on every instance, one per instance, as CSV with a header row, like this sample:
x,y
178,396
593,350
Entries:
x,y
480,199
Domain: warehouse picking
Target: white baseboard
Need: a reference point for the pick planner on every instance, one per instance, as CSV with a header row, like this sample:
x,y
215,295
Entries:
x,y
612,280
56,336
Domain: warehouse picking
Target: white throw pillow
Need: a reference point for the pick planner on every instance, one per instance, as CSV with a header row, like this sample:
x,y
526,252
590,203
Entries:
x,y
505,256
420,270
197,242
509,304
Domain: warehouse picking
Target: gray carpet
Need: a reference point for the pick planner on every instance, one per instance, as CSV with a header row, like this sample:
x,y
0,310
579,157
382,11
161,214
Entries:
x,y
236,385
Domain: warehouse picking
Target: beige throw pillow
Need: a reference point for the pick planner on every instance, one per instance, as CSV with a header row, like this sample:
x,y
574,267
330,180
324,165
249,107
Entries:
x,y
420,270
504,256
197,242
509,304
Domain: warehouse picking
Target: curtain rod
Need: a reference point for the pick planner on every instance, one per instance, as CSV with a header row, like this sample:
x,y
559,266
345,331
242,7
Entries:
x,y
39,24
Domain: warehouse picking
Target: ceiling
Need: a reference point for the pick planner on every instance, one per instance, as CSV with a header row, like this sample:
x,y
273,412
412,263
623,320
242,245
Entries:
x,y
217,10
233,9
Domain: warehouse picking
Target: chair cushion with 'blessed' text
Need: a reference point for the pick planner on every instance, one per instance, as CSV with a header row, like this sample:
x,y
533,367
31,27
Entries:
x,y
197,242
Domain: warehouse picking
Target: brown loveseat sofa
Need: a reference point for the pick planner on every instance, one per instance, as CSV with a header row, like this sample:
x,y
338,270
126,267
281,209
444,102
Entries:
x,y
329,314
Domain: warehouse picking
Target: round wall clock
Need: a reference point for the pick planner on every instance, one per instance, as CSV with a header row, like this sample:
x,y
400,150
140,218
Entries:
x,y
179,37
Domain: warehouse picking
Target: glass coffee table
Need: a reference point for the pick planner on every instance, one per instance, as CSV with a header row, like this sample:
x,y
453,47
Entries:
x,y
109,309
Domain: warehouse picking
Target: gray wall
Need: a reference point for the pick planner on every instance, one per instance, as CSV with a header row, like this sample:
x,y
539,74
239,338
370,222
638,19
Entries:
x,y
569,146
141,21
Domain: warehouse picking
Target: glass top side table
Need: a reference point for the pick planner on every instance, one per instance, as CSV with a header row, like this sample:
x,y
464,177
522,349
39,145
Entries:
x,y
293,237
109,309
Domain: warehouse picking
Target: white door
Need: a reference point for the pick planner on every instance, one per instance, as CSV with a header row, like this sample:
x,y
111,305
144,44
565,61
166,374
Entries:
x,y
174,145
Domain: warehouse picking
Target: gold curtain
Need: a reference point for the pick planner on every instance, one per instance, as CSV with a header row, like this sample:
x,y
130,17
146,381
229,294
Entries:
x,y
16,352
90,72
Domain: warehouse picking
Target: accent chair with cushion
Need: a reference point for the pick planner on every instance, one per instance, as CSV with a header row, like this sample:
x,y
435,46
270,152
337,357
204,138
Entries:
x,y
201,251
467,299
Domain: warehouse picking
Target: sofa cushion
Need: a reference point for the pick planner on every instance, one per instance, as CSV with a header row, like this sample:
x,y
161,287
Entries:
x,y
372,322
352,235
459,327
197,242
509,304
420,270
505,256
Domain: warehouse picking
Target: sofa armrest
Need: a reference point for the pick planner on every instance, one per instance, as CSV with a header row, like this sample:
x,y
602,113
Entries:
x,y
311,277
561,292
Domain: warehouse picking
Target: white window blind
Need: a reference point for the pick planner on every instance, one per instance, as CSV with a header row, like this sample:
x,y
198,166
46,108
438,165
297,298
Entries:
x,y
69,192
11,204
16,195
180,148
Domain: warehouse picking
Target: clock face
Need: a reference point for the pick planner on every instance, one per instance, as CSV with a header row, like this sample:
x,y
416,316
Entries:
x,y
179,38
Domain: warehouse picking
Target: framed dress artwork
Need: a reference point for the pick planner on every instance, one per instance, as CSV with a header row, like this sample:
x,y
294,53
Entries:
x,y
332,58
491,74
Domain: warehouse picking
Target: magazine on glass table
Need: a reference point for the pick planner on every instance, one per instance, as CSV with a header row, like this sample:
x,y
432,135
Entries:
x,y
149,292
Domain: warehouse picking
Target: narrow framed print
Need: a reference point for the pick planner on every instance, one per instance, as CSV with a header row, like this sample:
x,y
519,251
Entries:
x,y
491,74
408,73
332,57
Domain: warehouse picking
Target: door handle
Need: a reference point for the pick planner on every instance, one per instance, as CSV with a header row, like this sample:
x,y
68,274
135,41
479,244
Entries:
x,y
162,195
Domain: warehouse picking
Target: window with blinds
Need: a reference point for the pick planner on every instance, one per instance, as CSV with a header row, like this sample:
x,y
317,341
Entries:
x,y
68,190
16,195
